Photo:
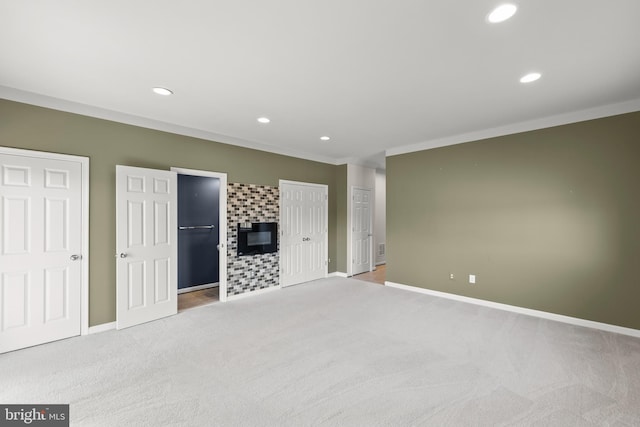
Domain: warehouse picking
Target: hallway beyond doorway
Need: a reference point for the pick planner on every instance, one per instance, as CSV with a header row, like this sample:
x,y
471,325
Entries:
x,y
376,276
193,299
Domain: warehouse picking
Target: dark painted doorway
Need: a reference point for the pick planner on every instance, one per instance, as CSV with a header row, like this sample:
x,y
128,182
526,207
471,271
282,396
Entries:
x,y
198,231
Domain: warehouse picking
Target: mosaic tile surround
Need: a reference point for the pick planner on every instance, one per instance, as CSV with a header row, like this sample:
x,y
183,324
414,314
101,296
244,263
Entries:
x,y
250,203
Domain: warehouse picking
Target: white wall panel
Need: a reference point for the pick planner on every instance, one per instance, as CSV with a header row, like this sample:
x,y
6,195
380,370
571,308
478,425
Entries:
x,y
380,218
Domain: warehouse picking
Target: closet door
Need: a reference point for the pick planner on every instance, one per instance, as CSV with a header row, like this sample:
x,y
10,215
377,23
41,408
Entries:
x,y
303,232
40,250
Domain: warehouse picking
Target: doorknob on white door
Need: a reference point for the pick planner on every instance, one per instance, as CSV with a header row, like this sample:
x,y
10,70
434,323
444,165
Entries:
x,y
75,257
121,255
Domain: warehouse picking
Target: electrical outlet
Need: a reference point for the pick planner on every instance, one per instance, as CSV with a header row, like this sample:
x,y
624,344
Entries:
x,y
472,278
451,276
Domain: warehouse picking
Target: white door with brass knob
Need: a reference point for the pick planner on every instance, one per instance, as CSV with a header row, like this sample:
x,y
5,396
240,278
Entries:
x,y
41,242
146,234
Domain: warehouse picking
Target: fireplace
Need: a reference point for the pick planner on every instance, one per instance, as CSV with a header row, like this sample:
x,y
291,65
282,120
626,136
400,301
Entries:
x,y
257,238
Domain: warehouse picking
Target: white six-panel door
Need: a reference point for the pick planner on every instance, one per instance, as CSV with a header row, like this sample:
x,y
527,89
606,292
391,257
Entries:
x,y
361,231
41,250
303,233
146,235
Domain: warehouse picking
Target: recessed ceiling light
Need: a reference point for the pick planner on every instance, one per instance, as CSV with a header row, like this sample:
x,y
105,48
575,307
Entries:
x,y
502,13
325,138
531,77
162,91
263,120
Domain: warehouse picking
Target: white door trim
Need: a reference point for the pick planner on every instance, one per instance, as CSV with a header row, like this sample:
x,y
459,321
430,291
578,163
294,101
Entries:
x,y
308,184
84,165
222,283
350,227
326,234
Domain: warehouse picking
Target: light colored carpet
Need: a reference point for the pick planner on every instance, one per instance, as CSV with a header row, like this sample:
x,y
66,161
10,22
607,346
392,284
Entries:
x,y
336,352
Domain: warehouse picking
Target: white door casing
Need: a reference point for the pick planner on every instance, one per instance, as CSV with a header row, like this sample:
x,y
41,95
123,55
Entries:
x,y
361,231
303,232
222,280
146,235
43,247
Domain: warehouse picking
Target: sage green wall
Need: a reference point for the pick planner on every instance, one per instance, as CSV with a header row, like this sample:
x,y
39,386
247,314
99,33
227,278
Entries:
x,y
547,220
108,144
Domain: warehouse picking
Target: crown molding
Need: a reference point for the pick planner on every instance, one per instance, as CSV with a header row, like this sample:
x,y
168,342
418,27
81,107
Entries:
x,y
526,126
39,100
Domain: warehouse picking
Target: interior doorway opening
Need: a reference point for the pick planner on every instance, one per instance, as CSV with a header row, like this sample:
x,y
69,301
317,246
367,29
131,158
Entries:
x,y
202,237
361,230
198,232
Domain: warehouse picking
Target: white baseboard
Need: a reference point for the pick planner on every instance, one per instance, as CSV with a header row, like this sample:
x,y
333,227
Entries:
x,y
197,288
380,263
102,328
253,293
337,274
521,310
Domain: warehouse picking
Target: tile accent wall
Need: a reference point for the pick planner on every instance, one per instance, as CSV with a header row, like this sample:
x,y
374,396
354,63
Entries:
x,y
250,203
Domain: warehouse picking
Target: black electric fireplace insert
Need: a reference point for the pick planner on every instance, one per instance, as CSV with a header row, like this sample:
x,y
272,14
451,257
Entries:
x,y
257,238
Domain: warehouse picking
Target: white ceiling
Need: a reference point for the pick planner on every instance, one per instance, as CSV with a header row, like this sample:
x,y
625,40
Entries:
x,y
374,75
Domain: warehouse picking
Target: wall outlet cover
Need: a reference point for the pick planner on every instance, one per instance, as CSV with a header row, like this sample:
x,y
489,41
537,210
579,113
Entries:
x,y
472,278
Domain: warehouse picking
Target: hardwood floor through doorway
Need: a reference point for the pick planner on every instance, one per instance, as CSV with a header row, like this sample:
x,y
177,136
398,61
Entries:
x,y
198,298
376,276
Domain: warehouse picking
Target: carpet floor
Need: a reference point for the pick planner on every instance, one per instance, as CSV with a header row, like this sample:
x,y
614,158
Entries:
x,y
336,352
